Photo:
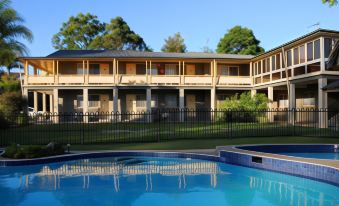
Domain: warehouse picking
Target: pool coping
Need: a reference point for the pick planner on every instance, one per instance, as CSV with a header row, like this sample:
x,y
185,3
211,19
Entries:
x,y
225,154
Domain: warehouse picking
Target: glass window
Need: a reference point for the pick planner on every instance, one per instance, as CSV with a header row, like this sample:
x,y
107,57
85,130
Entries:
x,y
278,61
302,53
233,71
273,63
153,70
170,69
171,101
223,69
94,69
80,69
259,67
328,47
264,66
289,58
80,101
255,68
93,100
310,51
295,56
317,49
140,101
268,65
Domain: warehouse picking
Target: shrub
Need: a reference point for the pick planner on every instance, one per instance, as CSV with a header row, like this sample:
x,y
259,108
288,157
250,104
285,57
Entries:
x,y
246,105
32,151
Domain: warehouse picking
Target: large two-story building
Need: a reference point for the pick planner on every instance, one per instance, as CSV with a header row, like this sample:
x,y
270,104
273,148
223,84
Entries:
x,y
127,81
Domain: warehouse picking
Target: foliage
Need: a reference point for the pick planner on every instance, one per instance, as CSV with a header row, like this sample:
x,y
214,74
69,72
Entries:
x,y
239,40
28,152
174,43
11,29
11,103
9,83
85,31
330,2
78,32
245,102
119,36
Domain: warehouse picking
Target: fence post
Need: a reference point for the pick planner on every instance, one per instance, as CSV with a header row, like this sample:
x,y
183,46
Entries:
x,y
158,129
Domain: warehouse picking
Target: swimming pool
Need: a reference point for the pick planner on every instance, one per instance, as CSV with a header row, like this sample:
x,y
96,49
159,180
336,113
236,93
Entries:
x,y
316,155
303,150
156,181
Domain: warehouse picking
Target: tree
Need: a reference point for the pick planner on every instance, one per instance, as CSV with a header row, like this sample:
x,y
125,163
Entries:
x,y
330,2
11,29
239,40
119,36
78,32
174,43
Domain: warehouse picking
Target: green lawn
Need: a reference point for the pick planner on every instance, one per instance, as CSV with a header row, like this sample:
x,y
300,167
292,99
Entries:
x,y
140,132
207,143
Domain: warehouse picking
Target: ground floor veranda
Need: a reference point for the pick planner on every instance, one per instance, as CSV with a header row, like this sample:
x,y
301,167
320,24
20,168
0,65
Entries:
x,y
306,94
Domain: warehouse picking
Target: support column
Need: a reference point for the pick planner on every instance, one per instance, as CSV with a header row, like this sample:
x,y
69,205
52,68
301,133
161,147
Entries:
x,y
85,104
322,103
35,101
270,104
149,103
115,100
51,103
56,105
213,103
291,103
253,92
44,102
182,104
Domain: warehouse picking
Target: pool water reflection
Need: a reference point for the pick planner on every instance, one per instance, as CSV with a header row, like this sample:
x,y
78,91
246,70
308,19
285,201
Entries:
x,y
156,181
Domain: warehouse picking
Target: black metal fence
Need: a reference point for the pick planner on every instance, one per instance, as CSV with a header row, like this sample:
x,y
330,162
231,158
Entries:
x,y
160,125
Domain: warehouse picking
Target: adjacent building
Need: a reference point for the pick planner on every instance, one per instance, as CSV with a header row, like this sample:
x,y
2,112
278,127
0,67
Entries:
x,y
292,75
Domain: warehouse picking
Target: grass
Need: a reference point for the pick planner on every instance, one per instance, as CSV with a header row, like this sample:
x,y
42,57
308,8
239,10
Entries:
x,y
208,143
139,132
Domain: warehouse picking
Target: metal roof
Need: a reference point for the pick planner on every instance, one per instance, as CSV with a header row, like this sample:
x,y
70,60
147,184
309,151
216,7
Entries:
x,y
142,54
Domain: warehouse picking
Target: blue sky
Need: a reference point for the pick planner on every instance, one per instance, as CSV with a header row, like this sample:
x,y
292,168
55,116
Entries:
x,y
201,22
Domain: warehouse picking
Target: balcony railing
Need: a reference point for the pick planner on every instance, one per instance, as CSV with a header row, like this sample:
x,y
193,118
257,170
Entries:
x,y
132,79
165,79
233,80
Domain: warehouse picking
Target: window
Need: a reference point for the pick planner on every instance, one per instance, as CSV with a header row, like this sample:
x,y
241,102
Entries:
x,y
317,49
310,51
289,58
302,53
295,56
153,70
93,100
278,61
223,70
268,65
233,71
80,69
94,68
255,68
154,101
273,63
171,101
170,69
328,47
80,101
259,67
264,66
140,68
140,101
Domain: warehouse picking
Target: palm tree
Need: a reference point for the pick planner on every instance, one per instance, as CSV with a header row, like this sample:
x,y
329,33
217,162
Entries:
x,y
11,29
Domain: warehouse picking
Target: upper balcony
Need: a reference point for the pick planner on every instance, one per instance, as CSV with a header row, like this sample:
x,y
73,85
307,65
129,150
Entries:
x,y
136,73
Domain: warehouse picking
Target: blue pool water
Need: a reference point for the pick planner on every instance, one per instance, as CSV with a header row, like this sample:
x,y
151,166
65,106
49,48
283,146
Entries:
x,y
156,181
331,156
